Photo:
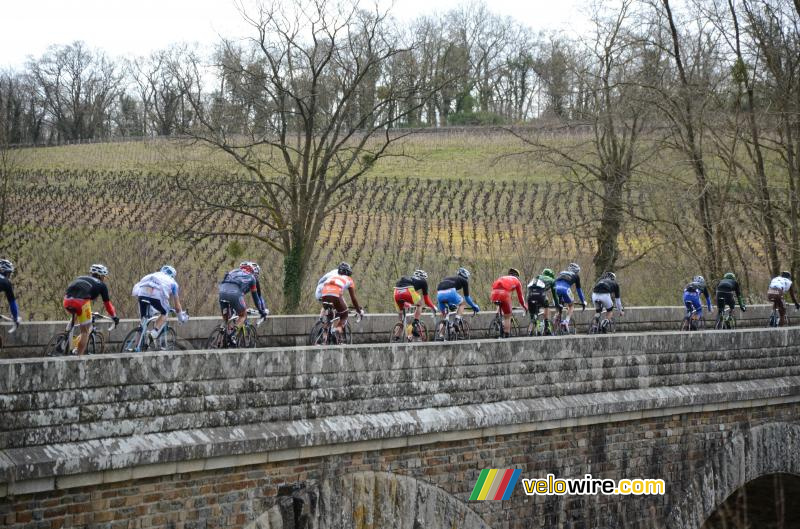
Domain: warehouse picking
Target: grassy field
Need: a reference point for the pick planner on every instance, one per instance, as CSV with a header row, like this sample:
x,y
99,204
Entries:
x,y
449,202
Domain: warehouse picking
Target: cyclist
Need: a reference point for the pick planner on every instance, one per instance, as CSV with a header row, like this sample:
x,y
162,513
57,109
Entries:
x,y
332,292
447,292
6,270
691,297
564,281
155,290
777,288
603,290
501,294
726,289
537,296
78,302
413,291
232,290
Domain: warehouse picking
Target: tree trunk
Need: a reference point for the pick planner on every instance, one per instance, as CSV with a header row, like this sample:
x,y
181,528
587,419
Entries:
x,y
605,259
794,195
295,263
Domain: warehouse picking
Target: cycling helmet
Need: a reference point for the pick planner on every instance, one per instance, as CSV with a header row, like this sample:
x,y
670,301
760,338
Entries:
x,y
169,270
98,270
700,280
256,269
575,268
345,269
6,267
420,274
610,275
548,273
729,275
513,272
463,272
786,274
247,267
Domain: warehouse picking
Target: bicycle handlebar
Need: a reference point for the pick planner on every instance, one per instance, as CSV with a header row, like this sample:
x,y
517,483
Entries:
x,y
97,315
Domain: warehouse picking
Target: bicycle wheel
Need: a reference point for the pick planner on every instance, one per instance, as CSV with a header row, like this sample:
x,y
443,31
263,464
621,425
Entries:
x,y
131,342
96,344
462,329
398,333
217,339
423,333
594,328
514,328
774,319
250,336
58,345
495,329
441,331
167,340
315,337
347,336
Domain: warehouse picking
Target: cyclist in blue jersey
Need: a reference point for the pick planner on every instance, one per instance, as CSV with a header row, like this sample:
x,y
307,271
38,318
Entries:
x,y
447,292
691,297
564,281
6,269
234,286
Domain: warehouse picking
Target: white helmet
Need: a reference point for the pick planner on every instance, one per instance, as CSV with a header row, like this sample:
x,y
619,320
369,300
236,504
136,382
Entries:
x,y
99,270
6,267
575,268
169,270
700,280
420,274
463,272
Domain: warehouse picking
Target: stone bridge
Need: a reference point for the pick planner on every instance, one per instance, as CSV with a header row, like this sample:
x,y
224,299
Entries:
x,y
379,436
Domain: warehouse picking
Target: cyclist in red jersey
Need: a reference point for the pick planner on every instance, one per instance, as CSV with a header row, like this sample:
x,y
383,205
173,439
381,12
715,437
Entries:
x,y
501,293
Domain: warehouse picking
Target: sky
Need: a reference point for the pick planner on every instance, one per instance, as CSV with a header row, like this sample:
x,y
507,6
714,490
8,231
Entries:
x,y
135,28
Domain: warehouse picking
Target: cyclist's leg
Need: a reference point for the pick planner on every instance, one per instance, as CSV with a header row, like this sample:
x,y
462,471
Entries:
x,y
566,299
340,308
84,321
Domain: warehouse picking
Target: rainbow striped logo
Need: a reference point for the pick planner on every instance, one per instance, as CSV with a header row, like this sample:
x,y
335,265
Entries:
x,y
495,484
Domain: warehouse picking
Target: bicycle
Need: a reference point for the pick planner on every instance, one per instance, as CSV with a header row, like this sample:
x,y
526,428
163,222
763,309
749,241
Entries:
x,y
691,324
139,339
323,332
63,343
599,325
496,329
726,319
561,327
536,325
403,328
11,331
450,328
227,335
775,317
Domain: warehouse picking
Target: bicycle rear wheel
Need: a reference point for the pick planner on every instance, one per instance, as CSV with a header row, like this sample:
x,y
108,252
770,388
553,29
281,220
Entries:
x,y
398,333
347,336
514,328
315,337
250,336
423,333
441,331
495,329
774,319
58,345
217,339
131,342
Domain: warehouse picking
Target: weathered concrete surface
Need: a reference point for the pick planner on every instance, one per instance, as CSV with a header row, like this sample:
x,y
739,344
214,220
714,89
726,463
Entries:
x,y
629,405
31,337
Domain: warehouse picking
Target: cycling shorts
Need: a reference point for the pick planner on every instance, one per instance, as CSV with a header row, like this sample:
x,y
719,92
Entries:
x,y
405,296
503,298
233,299
339,305
692,302
564,293
605,301
80,308
146,302
444,298
536,301
725,298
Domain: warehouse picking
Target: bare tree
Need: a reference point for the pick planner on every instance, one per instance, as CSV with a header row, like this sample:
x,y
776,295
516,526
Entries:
x,y
291,113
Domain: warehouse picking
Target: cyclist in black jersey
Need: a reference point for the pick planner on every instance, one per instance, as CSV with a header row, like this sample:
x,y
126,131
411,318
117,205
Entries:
x,y
412,291
447,292
6,270
604,292
78,302
728,293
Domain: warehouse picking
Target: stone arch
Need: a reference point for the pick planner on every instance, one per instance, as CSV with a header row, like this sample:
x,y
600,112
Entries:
x,y
375,500
761,450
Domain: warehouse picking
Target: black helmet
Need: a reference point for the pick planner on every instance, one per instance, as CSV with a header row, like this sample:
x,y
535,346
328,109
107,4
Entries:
x,y
513,272
786,274
345,269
